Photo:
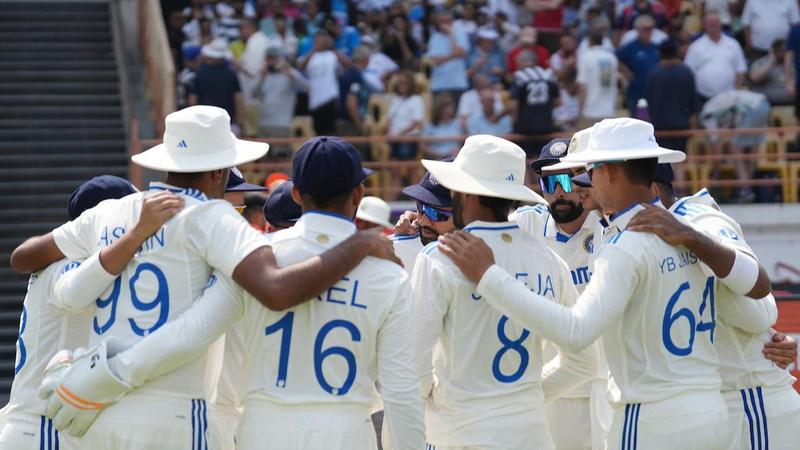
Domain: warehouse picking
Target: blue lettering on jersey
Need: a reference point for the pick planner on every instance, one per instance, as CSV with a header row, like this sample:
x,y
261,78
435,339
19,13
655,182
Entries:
x,y
543,286
343,294
107,237
671,264
111,234
155,241
581,275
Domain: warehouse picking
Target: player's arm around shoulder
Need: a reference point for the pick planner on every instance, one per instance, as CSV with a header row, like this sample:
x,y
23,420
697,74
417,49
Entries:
x,y
397,374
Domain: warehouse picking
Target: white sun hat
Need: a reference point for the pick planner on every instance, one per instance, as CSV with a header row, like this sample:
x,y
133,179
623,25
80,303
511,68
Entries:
x,y
199,139
486,165
623,139
375,210
578,143
218,48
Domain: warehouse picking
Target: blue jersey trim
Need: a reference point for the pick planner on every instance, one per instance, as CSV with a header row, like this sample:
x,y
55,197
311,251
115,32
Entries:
x,y
561,237
504,227
396,237
430,248
191,192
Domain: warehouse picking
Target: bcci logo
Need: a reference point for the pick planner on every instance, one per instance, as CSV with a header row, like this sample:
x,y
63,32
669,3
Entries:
x,y
432,180
558,149
588,243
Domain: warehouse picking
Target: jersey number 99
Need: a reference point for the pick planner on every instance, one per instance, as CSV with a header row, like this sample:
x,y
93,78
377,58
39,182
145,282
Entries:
x,y
160,301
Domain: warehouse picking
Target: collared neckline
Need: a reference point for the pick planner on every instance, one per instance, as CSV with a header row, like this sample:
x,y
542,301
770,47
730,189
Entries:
x,y
552,230
191,192
480,225
326,223
621,218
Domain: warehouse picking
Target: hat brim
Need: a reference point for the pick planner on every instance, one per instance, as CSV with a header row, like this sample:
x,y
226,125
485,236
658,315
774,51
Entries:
x,y
564,166
582,180
455,179
539,163
247,187
213,53
664,155
161,159
423,195
372,219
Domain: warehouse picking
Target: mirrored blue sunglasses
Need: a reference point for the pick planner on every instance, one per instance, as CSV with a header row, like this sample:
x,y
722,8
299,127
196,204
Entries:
x,y
434,214
549,182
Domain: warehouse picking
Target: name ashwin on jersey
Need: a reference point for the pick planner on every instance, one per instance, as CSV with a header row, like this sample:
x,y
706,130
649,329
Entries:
x,y
111,234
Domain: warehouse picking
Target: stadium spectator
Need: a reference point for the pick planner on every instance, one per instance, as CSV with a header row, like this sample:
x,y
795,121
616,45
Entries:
x,y
652,8
487,121
534,94
465,23
568,111
283,36
405,116
447,49
566,57
737,109
191,62
216,83
637,59
344,38
354,94
399,45
249,67
597,80
791,66
508,31
527,41
723,9
486,57
276,92
443,123
379,66
768,77
716,60
470,101
321,65
763,22
671,99
227,22
548,16
657,36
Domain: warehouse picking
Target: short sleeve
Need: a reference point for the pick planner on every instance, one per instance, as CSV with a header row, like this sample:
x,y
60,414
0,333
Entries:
x,y
741,63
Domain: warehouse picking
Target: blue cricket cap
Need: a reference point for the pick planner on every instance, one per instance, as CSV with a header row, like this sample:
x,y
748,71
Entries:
x,y
430,191
236,183
582,180
280,207
327,166
94,191
551,153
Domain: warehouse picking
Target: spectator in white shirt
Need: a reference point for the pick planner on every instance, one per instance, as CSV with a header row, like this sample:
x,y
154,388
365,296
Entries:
x,y
721,7
321,65
566,57
248,67
597,80
716,60
767,20
470,101
405,117
283,37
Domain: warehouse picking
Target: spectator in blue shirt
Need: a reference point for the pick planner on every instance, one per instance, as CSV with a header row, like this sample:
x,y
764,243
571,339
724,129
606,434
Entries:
x,y
487,122
637,59
486,57
792,61
443,123
345,37
448,48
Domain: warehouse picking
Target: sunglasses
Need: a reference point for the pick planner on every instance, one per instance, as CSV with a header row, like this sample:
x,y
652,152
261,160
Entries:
x,y
591,166
434,214
239,208
549,182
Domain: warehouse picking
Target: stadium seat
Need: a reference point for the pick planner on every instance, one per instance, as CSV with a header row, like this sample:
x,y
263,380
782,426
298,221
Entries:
x,y
794,179
772,159
302,126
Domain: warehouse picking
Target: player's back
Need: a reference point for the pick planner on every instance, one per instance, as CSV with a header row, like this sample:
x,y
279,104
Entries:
x,y
662,344
326,354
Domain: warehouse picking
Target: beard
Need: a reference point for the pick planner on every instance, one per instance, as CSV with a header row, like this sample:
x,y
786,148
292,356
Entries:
x,y
560,216
458,216
427,240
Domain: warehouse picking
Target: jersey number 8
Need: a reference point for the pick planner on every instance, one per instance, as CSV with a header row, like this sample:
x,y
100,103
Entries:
x,y
510,345
161,300
671,317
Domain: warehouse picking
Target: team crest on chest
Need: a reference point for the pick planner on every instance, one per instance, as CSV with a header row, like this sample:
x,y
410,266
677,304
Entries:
x,y
588,243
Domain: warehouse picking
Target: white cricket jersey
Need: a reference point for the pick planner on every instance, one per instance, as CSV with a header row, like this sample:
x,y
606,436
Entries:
x,y
650,303
474,362
743,325
168,273
407,248
334,348
43,331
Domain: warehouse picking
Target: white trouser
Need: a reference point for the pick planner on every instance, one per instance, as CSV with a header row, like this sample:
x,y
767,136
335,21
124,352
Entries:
x,y
695,420
28,432
601,414
570,423
762,418
225,420
527,431
308,427
148,422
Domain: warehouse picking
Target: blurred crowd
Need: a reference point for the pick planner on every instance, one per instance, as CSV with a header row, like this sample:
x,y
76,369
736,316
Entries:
x,y
461,67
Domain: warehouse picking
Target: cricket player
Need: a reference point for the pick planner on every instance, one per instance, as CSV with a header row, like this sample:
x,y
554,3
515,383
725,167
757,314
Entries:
x,y
170,271
582,417
363,320
433,217
480,370
647,299
280,210
763,407
45,328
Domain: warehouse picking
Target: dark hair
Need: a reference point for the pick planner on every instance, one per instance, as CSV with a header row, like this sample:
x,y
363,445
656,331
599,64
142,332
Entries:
x,y
667,189
500,207
439,102
668,49
326,202
641,171
248,21
778,43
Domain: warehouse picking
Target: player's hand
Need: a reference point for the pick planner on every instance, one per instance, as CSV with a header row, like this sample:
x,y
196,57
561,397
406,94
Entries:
x,y
77,390
407,224
156,210
662,223
782,350
469,253
380,245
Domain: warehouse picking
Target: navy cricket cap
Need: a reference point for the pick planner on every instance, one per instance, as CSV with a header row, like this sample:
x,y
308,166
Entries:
x,y
327,166
582,180
430,191
94,191
280,207
552,152
664,174
236,183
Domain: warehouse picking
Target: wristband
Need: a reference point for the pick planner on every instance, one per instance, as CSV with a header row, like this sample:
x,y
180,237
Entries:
x,y
743,275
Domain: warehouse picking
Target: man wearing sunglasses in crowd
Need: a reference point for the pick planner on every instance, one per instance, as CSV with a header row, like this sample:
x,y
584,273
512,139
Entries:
x,y
433,217
569,227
